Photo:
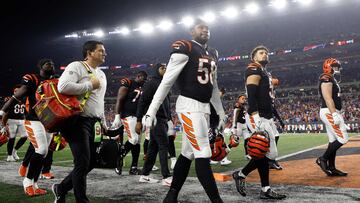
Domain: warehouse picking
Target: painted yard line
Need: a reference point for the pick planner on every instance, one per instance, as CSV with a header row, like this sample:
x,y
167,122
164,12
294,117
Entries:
x,y
305,150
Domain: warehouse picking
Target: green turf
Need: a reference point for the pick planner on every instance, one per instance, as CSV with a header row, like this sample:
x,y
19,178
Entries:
x,y
288,143
18,196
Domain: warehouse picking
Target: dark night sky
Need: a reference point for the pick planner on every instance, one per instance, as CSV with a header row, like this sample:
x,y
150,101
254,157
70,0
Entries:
x,y
35,29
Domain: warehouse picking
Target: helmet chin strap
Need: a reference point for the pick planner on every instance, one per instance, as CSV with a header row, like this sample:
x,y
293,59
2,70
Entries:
x,y
338,78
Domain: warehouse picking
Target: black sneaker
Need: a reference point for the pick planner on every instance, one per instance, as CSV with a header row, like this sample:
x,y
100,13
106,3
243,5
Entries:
x,y
134,171
336,172
58,197
240,183
274,165
270,194
323,165
119,165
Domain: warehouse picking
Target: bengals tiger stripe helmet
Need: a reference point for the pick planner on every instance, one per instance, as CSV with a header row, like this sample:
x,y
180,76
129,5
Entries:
x,y
234,141
218,149
258,145
329,64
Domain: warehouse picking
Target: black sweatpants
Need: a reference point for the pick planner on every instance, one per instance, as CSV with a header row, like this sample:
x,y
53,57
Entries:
x,y
159,142
80,136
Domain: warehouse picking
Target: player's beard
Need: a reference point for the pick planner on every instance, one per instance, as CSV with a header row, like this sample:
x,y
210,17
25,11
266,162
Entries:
x,y
49,72
264,63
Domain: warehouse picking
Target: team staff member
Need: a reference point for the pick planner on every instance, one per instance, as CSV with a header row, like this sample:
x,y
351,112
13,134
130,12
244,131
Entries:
x,y
125,108
193,65
330,94
158,135
261,113
78,78
36,132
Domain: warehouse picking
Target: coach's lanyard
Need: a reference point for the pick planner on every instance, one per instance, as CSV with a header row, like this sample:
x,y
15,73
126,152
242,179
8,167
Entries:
x,y
97,132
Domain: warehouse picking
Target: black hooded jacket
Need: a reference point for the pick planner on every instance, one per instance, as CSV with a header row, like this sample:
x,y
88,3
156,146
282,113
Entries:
x,y
146,97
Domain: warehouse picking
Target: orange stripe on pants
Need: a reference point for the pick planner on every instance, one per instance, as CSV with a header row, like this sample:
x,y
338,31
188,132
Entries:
x,y
189,131
30,133
336,128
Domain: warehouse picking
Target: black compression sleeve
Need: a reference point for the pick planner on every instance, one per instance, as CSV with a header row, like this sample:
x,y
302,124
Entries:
x,y
252,95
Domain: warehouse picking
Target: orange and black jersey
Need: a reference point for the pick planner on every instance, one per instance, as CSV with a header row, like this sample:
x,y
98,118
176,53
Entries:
x,y
31,81
196,79
336,91
132,97
16,112
263,98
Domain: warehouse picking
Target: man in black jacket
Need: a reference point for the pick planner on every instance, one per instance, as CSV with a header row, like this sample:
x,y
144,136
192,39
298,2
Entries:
x,y
158,135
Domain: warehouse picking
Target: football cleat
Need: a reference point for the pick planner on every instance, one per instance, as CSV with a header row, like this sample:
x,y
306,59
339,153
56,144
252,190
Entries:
x,y
323,165
47,175
240,183
10,158
270,194
166,181
22,170
336,172
155,168
225,162
29,191
134,171
15,155
39,191
147,179
274,165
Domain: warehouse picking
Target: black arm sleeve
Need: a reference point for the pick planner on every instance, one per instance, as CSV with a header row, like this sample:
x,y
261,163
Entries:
x,y
145,99
252,95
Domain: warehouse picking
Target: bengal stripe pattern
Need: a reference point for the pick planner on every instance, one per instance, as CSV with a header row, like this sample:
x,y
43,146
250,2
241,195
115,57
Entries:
x,y
189,131
258,145
183,43
218,151
127,128
30,133
126,82
336,128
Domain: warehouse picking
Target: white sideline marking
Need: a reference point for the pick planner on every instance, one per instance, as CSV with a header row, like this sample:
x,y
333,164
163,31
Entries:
x,y
305,150
299,152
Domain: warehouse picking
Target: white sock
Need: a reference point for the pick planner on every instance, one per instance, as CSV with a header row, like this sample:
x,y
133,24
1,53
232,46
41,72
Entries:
x,y
27,182
264,189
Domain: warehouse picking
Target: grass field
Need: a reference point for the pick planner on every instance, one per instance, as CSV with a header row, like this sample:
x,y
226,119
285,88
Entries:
x,y
288,143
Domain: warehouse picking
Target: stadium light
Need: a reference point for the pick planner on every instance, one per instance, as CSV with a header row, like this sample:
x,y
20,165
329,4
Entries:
x,y
230,12
252,8
278,4
165,25
124,31
305,2
208,17
187,21
146,28
99,33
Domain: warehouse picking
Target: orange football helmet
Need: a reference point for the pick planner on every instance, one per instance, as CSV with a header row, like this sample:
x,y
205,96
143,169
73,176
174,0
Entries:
x,y
258,145
234,141
4,137
218,149
329,64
